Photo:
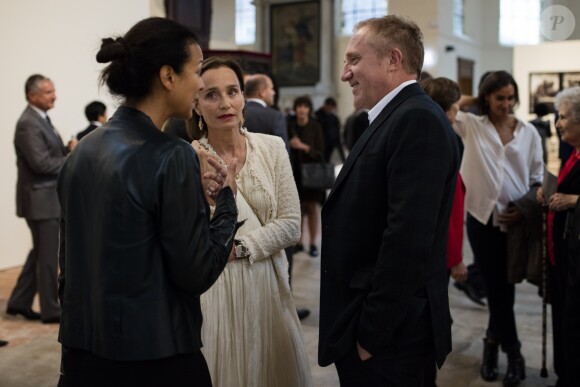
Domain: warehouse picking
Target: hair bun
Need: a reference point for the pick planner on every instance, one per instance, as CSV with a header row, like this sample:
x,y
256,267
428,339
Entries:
x,y
112,49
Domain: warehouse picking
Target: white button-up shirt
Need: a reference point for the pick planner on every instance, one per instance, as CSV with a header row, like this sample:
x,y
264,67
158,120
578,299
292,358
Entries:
x,y
496,174
378,108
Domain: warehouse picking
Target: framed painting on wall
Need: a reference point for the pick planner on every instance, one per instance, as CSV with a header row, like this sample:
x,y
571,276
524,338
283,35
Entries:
x,y
295,43
543,89
570,80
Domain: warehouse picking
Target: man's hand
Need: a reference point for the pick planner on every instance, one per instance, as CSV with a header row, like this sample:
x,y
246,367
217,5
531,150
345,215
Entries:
x,y
72,143
459,272
363,353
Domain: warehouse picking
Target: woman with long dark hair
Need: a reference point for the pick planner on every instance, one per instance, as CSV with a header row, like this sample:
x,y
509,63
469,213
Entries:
x,y
502,161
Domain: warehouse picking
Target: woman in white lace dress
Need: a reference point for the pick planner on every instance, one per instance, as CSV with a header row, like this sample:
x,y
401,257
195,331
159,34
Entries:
x,y
251,333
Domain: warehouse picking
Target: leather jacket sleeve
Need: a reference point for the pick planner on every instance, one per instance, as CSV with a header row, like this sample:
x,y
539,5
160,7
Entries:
x,y
195,249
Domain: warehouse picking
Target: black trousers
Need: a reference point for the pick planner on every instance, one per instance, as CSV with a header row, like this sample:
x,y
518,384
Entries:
x,y
399,365
489,247
571,320
557,288
40,271
83,369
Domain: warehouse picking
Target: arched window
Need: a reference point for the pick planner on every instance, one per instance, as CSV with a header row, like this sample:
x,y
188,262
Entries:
x,y
519,22
459,17
245,22
354,11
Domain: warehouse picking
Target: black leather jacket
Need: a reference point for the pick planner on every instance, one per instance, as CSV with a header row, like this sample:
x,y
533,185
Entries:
x,y
137,244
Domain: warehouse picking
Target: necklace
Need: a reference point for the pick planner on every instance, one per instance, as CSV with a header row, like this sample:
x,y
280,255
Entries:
x,y
207,146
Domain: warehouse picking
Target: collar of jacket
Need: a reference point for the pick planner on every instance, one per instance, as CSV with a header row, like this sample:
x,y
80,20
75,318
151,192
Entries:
x,y
406,92
132,117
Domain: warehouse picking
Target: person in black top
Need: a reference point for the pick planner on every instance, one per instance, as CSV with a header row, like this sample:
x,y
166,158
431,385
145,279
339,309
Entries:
x,y
137,243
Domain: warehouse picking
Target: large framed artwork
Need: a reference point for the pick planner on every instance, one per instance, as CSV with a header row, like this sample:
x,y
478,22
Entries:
x,y
295,43
545,86
570,80
543,89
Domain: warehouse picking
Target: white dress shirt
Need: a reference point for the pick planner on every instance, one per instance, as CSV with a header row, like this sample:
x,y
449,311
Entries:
x,y
495,174
257,100
41,112
374,112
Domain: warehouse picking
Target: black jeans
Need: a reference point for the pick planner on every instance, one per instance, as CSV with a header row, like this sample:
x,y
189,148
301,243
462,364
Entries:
x,y
489,246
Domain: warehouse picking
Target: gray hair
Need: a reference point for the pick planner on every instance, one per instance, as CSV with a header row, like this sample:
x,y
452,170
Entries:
x,y
570,96
32,82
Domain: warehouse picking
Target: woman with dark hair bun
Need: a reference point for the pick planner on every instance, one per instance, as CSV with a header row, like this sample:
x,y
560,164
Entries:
x,y
137,244
502,164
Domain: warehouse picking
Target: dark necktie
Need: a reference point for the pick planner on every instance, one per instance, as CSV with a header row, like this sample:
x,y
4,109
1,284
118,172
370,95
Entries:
x,y
52,127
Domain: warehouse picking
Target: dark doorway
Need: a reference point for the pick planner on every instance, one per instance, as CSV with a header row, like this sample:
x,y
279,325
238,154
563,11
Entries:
x,y
465,75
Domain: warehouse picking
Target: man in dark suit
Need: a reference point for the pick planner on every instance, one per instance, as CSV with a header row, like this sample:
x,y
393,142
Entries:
x,y
384,311
40,153
96,113
259,116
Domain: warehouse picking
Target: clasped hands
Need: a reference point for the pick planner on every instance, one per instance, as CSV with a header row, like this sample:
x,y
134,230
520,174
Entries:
x,y
558,201
215,176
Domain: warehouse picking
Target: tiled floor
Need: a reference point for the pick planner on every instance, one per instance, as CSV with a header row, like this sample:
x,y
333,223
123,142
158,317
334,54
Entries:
x,y
32,357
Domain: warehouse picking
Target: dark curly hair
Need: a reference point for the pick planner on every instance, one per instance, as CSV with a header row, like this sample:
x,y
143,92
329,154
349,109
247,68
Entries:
x,y
303,100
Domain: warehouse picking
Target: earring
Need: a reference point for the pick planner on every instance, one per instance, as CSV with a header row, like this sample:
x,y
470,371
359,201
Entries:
x,y
200,124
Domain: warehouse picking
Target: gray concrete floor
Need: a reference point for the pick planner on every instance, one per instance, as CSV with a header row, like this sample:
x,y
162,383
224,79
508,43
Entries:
x,y
470,321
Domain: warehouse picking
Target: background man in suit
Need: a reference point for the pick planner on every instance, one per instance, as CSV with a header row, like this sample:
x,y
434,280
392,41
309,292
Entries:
x,y
259,115
40,153
96,113
262,118
327,118
384,311
354,127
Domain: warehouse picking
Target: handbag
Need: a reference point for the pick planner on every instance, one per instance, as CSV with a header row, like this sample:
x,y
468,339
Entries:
x,y
317,175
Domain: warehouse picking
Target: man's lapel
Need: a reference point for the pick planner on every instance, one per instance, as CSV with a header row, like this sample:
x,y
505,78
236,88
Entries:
x,y
361,143
48,128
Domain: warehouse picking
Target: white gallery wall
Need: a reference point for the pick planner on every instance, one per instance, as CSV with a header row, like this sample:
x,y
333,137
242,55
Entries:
x,y
59,39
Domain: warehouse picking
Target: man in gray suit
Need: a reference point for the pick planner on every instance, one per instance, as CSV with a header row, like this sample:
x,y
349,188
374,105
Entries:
x,y
259,116
40,153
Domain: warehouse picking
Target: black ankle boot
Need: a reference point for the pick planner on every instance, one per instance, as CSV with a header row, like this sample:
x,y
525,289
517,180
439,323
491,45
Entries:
x,y
488,368
516,369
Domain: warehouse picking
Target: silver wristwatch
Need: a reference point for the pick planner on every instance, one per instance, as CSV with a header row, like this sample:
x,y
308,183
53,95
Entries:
x,y
241,250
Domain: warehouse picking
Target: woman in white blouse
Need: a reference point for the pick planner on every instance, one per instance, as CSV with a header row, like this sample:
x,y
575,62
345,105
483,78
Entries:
x,y
501,162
